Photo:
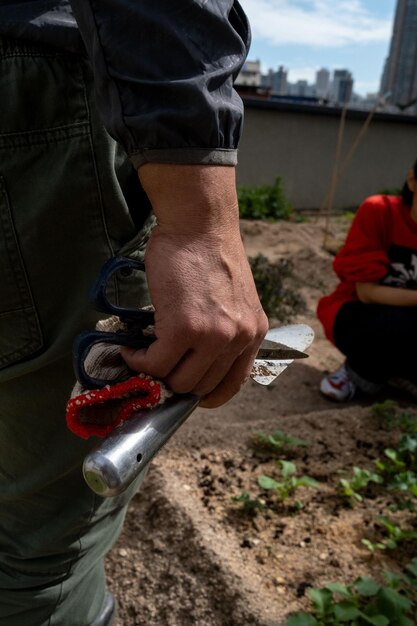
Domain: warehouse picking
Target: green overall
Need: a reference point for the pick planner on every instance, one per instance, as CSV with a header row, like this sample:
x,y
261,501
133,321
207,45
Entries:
x,y
69,199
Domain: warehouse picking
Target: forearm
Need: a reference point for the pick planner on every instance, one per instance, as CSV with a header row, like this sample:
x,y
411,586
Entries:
x,y
373,293
209,322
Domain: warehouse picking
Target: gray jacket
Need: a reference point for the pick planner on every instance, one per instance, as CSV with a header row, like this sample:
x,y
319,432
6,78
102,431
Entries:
x,y
163,69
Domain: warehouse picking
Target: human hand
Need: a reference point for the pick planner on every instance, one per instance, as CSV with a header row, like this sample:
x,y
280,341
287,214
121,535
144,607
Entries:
x,y
209,322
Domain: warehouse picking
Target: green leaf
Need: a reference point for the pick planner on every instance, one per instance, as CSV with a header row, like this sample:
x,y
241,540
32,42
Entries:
x,y
373,546
395,457
366,586
404,621
295,441
391,603
409,444
345,611
301,619
322,600
248,503
342,590
412,567
266,482
377,620
288,468
306,481
393,579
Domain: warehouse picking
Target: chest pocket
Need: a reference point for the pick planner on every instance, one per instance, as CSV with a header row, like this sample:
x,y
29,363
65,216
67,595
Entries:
x,y
20,333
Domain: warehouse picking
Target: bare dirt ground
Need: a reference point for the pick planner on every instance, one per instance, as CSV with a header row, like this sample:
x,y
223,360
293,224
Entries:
x,y
188,556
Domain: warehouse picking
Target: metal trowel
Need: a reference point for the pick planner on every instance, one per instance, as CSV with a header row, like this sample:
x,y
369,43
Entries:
x,y
115,463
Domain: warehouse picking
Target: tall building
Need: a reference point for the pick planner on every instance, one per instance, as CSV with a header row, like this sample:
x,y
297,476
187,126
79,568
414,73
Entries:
x,y
400,72
300,88
323,83
276,81
280,81
342,87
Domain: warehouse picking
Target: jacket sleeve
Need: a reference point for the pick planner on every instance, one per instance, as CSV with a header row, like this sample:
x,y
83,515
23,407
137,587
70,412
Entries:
x,y
164,71
363,258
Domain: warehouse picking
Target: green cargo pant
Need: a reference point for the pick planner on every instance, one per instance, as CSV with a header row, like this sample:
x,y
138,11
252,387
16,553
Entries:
x,y
69,199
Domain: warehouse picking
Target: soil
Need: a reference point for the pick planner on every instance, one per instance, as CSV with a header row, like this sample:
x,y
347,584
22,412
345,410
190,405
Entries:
x,y
188,554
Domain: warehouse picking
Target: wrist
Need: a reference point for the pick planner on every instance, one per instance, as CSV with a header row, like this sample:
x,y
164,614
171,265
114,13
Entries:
x,y
192,200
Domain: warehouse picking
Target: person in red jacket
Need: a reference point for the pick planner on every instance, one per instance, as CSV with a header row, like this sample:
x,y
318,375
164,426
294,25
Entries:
x,y
371,317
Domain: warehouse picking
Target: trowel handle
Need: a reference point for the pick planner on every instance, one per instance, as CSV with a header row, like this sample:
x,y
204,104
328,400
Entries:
x,y
113,465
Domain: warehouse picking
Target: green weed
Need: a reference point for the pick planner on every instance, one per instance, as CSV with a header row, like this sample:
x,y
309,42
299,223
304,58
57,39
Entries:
x,y
266,202
349,489
363,603
276,442
248,504
289,483
278,300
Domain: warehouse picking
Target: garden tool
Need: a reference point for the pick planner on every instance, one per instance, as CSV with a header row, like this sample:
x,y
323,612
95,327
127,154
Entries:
x,y
136,414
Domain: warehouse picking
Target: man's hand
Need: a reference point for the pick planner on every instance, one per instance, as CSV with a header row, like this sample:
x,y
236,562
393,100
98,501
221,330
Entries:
x,y
209,322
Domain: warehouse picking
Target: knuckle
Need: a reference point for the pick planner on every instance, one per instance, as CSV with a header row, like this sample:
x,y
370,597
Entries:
x,y
194,329
226,334
248,334
262,326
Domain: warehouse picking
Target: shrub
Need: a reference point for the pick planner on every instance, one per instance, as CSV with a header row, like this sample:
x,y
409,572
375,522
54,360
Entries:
x,y
266,202
391,191
278,301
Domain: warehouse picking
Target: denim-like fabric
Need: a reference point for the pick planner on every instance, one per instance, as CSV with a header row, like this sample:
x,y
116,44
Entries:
x,y
69,199
163,70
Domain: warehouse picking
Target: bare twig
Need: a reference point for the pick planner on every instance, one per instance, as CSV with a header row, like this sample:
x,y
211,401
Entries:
x,y
340,168
327,205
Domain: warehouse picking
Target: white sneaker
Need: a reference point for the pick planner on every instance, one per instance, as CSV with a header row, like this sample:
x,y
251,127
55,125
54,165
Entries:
x,y
338,385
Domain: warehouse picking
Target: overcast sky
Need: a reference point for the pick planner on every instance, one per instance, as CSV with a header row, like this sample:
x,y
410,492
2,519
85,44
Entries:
x,y
305,35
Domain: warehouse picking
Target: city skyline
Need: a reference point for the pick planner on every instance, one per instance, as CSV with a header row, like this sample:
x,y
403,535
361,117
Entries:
x,y
306,35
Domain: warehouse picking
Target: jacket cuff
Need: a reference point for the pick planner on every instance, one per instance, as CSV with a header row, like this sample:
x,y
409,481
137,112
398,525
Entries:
x,y
185,156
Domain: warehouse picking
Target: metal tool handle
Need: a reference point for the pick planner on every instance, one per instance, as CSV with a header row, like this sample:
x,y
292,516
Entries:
x,y
113,465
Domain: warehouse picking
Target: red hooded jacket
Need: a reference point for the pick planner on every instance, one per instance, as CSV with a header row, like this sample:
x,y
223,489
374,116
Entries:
x,y
382,235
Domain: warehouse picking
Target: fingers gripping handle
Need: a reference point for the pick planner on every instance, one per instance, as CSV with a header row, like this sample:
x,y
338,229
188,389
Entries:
x,y
115,463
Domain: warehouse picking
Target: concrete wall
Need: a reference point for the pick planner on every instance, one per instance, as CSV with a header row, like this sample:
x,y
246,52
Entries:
x,y
298,143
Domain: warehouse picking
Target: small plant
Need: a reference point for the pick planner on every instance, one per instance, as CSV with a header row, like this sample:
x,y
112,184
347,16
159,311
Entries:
x,y
267,202
407,423
248,504
275,442
289,484
394,465
349,489
277,300
400,465
389,412
395,533
373,547
385,410
405,482
363,603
